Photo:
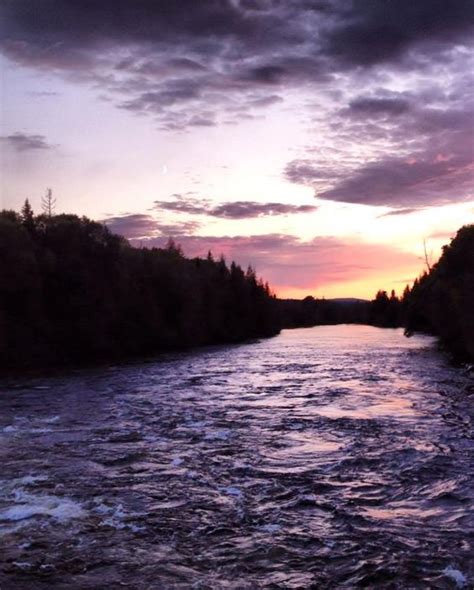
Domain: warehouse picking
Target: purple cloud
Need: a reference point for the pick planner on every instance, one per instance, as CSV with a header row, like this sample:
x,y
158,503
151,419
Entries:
x,y
135,226
23,142
247,209
231,210
397,212
425,159
379,106
157,58
193,65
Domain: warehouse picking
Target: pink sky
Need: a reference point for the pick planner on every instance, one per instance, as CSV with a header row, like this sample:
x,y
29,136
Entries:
x,y
294,137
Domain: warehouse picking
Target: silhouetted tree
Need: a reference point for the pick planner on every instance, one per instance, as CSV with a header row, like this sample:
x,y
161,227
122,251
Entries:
x,y
72,291
441,301
48,203
27,216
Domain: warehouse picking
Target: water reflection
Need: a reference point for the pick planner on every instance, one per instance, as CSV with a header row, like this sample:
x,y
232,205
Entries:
x,y
334,457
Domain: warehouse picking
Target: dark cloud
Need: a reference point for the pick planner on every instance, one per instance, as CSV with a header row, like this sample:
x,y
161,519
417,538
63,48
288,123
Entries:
x,y
180,57
425,159
358,31
201,121
192,64
265,74
373,31
382,106
139,226
400,182
247,209
231,210
181,204
23,142
132,225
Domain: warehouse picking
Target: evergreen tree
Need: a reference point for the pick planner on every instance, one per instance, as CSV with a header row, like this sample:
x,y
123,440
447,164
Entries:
x,y
27,216
73,291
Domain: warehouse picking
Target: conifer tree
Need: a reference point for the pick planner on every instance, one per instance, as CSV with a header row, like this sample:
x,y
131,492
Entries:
x,y
48,203
27,216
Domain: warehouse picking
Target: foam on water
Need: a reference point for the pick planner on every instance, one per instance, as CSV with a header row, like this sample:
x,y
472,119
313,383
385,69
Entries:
x,y
25,507
115,516
333,457
218,435
28,505
456,575
9,486
52,419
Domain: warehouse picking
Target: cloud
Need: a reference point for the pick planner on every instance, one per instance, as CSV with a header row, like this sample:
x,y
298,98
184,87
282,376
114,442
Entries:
x,y
385,85
373,32
379,106
23,142
397,212
232,209
308,172
135,226
398,182
284,260
287,262
425,159
132,225
176,59
178,228
247,209
43,93
186,204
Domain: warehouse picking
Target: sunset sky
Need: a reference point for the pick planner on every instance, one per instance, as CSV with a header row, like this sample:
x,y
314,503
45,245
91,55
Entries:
x,y
321,141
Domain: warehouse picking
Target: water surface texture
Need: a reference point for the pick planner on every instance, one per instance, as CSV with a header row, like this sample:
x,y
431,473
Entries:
x,y
331,457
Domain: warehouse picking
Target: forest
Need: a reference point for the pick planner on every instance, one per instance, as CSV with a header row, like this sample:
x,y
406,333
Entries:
x,y
440,302
73,292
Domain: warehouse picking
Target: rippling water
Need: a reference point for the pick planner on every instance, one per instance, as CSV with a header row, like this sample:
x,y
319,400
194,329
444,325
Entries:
x,y
331,457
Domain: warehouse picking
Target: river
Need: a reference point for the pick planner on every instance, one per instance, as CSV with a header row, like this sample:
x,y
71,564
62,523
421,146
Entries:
x,y
329,457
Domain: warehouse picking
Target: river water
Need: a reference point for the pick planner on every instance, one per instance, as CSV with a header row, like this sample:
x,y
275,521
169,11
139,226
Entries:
x,y
330,457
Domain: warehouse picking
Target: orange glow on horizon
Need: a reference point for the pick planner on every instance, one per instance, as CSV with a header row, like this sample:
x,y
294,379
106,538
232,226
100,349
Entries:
x,y
363,289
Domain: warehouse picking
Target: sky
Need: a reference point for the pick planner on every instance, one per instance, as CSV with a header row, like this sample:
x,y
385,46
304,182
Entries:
x,y
328,143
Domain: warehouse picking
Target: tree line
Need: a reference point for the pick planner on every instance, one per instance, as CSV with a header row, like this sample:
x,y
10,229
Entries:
x,y
71,291
440,302
384,311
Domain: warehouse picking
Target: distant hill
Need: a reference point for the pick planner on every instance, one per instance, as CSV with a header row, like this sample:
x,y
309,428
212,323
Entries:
x,y
348,300
309,311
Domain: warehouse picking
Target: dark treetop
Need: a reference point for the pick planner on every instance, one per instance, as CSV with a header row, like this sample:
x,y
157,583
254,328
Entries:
x,y
72,291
